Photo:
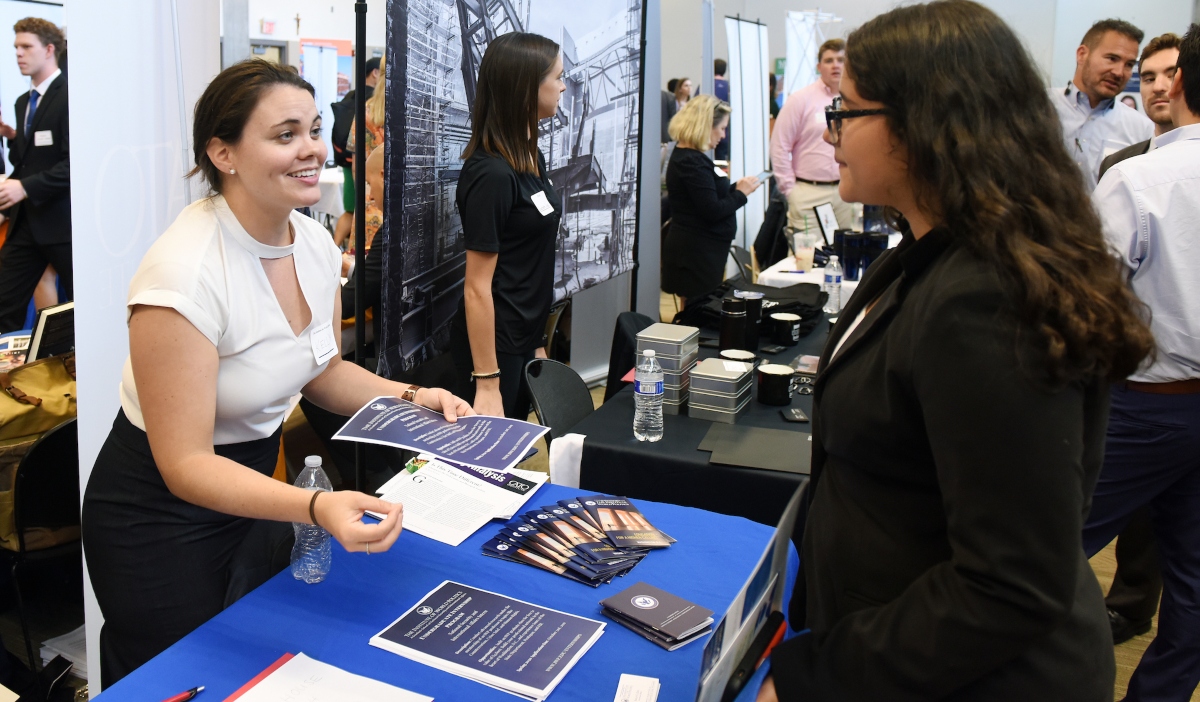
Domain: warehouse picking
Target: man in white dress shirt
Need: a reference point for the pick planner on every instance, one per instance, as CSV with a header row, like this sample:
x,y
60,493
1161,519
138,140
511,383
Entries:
x,y
1096,124
801,160
1149,207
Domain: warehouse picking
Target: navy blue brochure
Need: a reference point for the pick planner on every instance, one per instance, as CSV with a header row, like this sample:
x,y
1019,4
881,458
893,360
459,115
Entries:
x,y
493,443
507,643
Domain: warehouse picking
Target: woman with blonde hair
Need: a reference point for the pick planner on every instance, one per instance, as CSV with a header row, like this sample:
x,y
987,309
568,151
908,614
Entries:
x,y
702,199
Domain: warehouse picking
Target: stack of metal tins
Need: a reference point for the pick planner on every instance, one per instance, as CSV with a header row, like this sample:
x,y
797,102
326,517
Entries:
x,y
720,390
676,348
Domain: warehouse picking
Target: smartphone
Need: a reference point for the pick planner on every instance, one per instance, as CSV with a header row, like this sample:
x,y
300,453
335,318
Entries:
x,y
763,176
794,415
771,348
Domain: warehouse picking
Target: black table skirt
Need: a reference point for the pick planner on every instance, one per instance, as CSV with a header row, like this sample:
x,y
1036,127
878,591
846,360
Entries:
x,y
672,470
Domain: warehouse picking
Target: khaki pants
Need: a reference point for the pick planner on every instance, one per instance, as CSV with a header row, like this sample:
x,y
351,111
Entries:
x,y
805,196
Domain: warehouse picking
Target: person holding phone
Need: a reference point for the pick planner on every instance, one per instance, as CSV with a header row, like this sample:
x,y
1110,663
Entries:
x,y
703,201
510,217
962,399
231,313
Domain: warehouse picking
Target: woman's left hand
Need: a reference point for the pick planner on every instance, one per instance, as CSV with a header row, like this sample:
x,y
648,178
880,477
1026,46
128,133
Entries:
x,y
445,402
766,693
540,353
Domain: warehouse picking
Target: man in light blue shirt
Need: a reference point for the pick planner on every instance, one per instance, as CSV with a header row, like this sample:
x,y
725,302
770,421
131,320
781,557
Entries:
x,y
1150,209
1095,124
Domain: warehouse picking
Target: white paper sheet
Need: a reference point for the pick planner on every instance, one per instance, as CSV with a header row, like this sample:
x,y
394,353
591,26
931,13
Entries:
x,y
636,688
448,504
304,679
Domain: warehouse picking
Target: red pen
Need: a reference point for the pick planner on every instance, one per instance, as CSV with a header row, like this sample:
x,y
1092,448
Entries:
x,y
185,696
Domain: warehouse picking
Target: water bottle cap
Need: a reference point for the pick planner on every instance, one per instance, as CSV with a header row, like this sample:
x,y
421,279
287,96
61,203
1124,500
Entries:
x,y
312,461
833,259
648,353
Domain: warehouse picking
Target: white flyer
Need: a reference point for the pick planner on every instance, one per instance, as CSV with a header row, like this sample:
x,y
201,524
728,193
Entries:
x,y
304,679
448,502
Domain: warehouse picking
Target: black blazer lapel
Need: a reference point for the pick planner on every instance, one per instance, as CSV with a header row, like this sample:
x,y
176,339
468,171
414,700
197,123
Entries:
x,y
46,105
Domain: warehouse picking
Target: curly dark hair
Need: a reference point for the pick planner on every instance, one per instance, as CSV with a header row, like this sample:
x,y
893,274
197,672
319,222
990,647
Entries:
x,y
226,105
986,153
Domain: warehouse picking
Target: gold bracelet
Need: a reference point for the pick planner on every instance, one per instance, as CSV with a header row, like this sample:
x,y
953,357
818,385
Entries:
x,y
485,376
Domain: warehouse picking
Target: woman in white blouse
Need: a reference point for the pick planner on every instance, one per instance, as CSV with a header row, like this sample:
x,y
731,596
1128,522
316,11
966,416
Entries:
x,y
231,313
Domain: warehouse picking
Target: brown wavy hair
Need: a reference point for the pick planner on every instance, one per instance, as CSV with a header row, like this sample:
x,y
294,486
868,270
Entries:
x,y
985,152
227,104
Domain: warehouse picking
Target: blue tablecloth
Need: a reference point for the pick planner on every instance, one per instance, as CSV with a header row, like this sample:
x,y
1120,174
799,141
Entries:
x,y
334,620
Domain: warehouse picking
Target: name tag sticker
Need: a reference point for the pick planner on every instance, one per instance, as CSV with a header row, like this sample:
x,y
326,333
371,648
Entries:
x,y
43,138
541,203
324,346
720,173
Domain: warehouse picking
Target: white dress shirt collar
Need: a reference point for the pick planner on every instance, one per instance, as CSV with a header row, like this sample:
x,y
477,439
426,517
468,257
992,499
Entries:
x,y
42,87
1191,131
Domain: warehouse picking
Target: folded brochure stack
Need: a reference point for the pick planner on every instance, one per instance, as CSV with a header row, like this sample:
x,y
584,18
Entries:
x,y
590,540
659,616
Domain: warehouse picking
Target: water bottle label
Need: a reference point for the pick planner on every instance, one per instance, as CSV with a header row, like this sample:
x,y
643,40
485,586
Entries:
x,y
833,279
643,388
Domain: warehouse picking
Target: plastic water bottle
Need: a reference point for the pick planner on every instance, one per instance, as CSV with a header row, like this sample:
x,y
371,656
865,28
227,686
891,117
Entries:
x,y
312,554
648,398
833,285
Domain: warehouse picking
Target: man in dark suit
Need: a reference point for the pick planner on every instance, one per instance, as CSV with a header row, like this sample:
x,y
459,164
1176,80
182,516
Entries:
x,y
1133,598
37,195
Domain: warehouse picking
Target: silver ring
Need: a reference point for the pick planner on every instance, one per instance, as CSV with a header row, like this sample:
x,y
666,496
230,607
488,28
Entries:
x,y
368,543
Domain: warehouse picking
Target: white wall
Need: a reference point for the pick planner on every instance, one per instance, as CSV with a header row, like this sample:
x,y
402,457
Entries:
x,y
127,186
319,19
1051,29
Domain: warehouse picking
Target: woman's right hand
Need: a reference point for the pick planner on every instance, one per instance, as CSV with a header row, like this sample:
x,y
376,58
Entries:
x,y
748,184
487,398
341,513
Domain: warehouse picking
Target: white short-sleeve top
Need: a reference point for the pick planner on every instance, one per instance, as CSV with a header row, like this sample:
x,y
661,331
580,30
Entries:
x,y
207,267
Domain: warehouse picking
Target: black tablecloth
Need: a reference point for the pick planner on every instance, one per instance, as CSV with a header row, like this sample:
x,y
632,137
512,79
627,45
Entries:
x,y
672,470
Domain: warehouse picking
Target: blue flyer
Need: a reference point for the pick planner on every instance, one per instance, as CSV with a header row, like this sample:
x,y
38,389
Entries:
x,y
492,443
506,643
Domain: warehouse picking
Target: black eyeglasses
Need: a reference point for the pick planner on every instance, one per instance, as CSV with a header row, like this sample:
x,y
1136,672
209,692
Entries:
x,y
834,114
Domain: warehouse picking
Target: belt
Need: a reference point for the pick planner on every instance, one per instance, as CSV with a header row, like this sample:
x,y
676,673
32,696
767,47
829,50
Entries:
x,y
1190,386
818,182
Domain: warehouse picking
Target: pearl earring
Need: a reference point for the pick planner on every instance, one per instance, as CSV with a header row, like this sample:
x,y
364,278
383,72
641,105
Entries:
x,y
231,171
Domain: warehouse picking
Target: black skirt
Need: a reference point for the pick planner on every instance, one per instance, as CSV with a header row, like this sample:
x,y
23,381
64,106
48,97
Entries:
x,y
693,261
160,566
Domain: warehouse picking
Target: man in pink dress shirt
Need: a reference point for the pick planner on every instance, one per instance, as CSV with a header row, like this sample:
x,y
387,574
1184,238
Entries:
x,y
805,171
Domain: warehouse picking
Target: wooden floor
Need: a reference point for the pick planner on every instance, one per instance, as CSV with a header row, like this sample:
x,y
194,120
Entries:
x,y
1129,653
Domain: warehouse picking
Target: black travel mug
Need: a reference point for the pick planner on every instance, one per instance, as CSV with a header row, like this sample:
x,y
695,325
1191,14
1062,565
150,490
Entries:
x,y
733,323
753,317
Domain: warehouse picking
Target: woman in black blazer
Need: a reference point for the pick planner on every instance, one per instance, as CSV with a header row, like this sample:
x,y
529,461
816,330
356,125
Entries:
x,y
702,200
961,402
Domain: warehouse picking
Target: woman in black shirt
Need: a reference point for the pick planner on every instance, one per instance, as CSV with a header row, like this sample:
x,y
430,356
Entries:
x,y
703,202
510,216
